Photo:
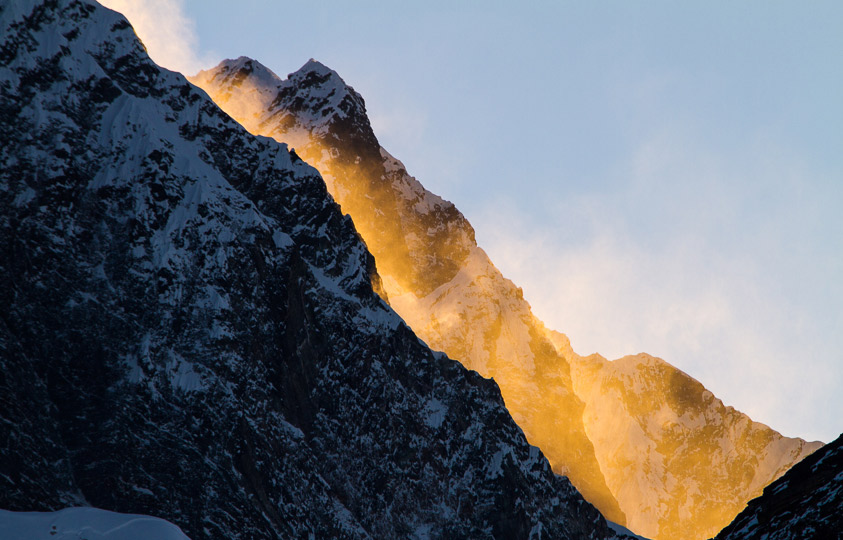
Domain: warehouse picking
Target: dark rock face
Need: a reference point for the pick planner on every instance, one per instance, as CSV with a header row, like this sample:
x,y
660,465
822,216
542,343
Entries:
x,y
188,327
807,502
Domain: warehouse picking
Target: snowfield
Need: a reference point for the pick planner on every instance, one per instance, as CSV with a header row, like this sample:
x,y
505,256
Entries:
x,y
85,524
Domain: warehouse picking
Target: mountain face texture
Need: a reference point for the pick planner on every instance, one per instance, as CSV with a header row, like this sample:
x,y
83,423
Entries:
x,y
641,440
189,327
805,503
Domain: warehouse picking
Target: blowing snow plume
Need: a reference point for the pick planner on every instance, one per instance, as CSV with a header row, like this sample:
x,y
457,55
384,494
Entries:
x,y
166,32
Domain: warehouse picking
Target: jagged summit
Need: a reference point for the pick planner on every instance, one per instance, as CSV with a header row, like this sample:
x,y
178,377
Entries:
x,y
244,66
327,98
317,67
312,101
315,111
249,77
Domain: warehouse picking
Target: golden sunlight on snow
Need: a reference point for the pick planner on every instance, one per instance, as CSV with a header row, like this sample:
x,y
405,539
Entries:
x,y
648,445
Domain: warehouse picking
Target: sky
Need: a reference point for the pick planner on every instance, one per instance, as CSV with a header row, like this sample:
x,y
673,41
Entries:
x,y
657,176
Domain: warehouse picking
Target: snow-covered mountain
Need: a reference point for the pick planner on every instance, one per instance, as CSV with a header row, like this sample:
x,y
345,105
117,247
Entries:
x,y
424,248
189,328
643,441
806,503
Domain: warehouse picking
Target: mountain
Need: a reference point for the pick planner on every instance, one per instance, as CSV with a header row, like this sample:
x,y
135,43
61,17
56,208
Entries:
x,y
640,439
190,329
805,503
420,242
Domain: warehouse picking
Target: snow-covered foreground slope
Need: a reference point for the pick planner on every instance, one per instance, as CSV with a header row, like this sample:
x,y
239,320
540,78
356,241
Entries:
x,y
87,523
189,328
805,503
640,439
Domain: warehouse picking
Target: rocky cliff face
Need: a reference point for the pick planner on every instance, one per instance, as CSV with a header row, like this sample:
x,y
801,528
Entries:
x,y
189,328
640,439
805,503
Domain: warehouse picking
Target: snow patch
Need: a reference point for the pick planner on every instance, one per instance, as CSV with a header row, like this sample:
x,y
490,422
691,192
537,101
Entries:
x,y
621,530
436,411
281,240
24,197
183,375
87,523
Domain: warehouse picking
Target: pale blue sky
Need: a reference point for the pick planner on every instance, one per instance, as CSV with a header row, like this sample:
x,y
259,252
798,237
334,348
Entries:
x,y
658,176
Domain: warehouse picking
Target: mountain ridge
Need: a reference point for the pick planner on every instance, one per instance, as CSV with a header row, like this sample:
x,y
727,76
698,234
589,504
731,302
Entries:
x,y
423,252
449,292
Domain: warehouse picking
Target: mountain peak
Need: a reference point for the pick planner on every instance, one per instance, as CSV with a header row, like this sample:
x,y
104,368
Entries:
x,y
316,66
312,101
237,70
319,91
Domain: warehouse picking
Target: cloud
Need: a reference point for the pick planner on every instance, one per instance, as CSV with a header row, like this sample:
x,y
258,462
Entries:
x,y
707,262
168,34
